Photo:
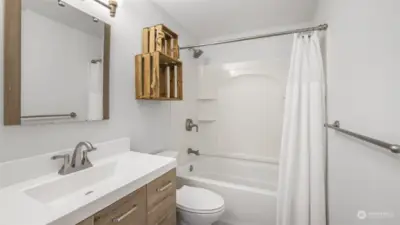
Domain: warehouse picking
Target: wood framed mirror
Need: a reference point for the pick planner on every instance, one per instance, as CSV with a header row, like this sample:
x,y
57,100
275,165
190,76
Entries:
x,y
56,63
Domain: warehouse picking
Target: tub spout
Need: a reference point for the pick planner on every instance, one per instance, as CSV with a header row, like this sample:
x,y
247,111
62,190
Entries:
x,y
191,151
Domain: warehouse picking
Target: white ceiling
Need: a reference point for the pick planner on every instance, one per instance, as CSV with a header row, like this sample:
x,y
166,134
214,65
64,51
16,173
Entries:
x,y
214,18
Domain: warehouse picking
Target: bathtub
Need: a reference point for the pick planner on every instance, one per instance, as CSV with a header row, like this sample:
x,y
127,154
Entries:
x,y
248,188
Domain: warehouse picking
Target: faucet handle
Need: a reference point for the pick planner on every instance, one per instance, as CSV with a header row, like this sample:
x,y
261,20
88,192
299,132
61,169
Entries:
x,y
85,159
66,158
190,124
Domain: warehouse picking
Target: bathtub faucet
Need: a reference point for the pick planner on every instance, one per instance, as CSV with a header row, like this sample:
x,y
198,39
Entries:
x,y
191,151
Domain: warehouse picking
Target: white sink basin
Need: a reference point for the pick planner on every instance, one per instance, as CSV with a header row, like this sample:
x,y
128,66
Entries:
x,y
79,184
54,199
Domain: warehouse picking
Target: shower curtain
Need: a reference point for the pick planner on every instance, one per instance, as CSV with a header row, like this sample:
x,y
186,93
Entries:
x,y
301,191
95,92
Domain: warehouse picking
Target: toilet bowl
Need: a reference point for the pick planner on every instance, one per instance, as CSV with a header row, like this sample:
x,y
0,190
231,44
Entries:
x,y
198,206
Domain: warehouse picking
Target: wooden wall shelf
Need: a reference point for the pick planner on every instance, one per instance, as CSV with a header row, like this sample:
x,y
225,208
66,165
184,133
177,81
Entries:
x,y
160,38
158,69
158,77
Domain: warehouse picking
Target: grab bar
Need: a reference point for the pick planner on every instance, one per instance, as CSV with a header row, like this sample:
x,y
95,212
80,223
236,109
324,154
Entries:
x,y
392,147
72,115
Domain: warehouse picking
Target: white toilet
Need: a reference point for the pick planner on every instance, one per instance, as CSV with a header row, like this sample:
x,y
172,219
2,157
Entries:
x,y
196,206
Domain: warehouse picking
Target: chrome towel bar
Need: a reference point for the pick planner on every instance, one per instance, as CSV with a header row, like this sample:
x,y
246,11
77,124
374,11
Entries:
x,y
392,147
72,115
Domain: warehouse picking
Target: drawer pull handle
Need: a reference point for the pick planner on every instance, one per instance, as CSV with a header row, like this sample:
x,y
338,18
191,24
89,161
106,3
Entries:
x,y
164,218
119,219
164,188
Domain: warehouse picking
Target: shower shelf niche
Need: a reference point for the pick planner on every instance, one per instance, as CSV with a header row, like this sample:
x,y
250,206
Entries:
x,y
206,120
207,99
207,110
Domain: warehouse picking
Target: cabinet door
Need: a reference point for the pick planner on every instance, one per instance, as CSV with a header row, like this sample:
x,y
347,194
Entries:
x,y
130,210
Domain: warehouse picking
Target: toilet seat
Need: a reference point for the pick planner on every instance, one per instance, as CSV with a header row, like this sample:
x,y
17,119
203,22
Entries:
x,y
182,209
199,200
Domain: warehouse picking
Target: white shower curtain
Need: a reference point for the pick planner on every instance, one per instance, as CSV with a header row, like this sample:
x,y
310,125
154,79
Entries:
x,y
301,191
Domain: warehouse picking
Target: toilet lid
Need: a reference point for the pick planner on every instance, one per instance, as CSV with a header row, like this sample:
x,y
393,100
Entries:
x,y
195,199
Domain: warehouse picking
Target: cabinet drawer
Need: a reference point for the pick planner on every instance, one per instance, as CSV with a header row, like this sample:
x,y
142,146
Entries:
x,y
161,188
130,210
163,212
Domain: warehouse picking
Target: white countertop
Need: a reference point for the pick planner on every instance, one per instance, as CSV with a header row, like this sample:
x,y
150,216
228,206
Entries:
x,y
130,171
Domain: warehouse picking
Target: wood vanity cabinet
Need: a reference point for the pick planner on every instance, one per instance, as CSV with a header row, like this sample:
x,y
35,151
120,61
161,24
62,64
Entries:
x,y
152,204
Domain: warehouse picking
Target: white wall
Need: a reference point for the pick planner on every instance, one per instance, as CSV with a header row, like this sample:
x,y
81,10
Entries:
x,y
57,81
362,57
147,123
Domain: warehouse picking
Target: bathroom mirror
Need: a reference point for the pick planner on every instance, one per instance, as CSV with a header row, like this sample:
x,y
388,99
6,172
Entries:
x,y
56,63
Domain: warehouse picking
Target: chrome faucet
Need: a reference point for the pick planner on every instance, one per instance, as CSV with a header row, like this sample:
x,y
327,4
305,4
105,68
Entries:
x,y
191,151
78,151
75,165
190,125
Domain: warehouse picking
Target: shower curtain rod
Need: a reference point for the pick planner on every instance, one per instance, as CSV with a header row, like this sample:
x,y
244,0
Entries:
x,y
308,29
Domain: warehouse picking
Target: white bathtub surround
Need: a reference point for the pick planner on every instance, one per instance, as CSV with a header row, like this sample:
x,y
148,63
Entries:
x,y
53,199
228,93
301,195
248,188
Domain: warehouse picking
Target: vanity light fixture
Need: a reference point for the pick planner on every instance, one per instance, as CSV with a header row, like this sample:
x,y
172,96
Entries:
x,y
112,6
61,3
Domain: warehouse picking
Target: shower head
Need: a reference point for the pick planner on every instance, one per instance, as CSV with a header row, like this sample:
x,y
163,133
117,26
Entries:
x,y
61,3
196,52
